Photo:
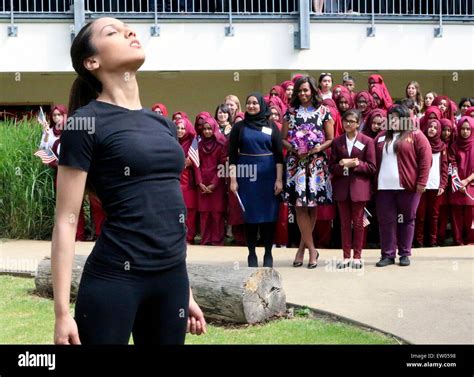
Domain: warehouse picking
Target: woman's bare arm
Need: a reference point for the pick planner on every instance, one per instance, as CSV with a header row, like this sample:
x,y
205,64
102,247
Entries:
x,y
284,135
70,191
329,135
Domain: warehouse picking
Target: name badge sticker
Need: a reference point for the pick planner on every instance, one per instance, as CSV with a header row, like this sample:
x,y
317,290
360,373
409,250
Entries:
x,y
381,138
267,130
359,145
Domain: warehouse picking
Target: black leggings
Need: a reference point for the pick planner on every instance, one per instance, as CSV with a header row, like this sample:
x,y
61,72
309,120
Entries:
x,y
152,306
267,233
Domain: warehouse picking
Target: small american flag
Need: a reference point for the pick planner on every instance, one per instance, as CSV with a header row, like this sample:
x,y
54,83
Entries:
x,y
47,156
193,153
41,116
365,220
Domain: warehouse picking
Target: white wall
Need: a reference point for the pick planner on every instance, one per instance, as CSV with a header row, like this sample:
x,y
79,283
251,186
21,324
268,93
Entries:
x,y
44,47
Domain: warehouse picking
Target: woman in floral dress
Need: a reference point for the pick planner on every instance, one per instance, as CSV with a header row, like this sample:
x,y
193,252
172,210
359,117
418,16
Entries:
x,y
308,131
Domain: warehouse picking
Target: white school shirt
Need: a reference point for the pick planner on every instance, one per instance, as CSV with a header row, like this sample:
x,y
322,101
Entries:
x,y
350,144
51,139
434,178
389,178
327,95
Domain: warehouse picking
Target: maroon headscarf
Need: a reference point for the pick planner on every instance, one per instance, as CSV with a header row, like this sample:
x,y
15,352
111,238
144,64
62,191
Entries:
x,y
342,88
277,122
378,89
464,148
368,126
296,78
274,105
331,105
58,129
286,84
430,110
446,123
201,115
240,115
160,106
448,113
370,104
347,96
207,145
182,113
436,143
454,109
281,93
386,94
469,111
189,135
277,102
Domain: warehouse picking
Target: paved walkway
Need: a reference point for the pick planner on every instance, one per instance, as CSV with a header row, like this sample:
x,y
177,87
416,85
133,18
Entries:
x,y
430,302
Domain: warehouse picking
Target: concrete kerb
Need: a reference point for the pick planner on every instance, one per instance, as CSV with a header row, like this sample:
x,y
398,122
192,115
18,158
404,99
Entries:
x,y
332,317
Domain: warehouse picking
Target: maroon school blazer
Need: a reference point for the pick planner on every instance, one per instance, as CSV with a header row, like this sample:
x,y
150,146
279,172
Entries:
x,y
356,186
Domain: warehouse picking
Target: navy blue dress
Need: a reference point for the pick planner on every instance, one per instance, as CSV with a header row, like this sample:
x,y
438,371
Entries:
x,y
256,175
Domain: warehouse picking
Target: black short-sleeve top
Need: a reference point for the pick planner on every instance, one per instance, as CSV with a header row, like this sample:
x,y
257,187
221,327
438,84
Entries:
x,y
134,163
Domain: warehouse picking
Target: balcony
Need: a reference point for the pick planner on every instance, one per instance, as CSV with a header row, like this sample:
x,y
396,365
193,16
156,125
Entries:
x,y
415,10
199,51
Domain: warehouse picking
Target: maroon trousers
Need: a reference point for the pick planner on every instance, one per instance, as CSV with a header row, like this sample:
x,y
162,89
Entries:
x,y
462,223
212,228
322,234
191,219
443,219
427,216
396,211
238,231
352,215
98,218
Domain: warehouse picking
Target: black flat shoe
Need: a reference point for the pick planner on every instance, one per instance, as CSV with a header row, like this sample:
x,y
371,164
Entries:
x,y
383,262
404,261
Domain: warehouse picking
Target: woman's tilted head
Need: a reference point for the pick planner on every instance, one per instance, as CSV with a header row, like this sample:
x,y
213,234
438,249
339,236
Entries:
x,y
103,48
106,45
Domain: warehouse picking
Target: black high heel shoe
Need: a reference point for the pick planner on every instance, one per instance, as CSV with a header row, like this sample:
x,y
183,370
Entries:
x,y
298,263
315,264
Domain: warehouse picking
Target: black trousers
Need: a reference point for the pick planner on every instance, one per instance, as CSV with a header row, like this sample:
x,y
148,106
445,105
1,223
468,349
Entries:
x,y
112,305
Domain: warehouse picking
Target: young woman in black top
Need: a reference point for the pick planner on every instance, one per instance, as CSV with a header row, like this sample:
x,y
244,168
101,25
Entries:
x,y
135,280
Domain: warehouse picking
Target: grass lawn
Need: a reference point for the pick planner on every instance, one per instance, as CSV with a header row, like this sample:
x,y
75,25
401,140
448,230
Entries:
x,y
29,319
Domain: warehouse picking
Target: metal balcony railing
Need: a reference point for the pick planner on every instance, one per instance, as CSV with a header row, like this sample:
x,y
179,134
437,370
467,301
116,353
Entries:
x,y
35,6
319,8
407,8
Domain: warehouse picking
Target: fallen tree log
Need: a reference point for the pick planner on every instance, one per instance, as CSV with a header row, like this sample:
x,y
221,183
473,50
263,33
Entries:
x,y
227,294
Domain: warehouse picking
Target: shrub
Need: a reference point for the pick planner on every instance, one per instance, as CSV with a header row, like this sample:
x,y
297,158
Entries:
x,y
27,198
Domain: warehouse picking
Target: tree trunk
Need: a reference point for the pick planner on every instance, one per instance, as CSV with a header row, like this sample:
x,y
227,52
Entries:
x,y
242,295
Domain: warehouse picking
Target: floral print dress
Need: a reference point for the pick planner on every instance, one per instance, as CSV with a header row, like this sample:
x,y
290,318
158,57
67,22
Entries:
x,y
307,179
